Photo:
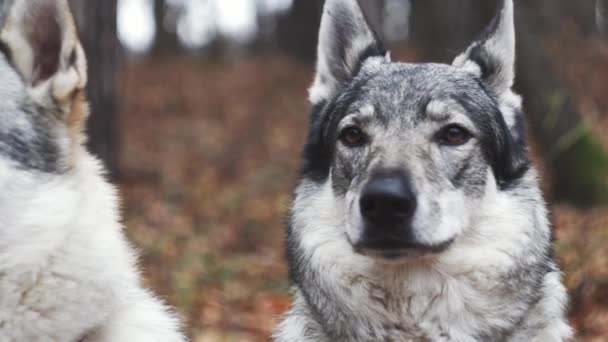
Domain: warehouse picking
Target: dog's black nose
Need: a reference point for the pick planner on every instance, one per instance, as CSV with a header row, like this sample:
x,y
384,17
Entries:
x,y
388,201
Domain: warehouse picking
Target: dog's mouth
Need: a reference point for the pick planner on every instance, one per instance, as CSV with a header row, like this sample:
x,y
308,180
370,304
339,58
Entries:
x,y
393,249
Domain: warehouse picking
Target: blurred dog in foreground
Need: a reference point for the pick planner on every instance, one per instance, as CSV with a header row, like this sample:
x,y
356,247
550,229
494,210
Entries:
x,y
418,216
67,272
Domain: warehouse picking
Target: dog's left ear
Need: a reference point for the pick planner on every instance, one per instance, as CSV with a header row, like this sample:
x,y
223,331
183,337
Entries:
x,y
492,57
43,47
346,39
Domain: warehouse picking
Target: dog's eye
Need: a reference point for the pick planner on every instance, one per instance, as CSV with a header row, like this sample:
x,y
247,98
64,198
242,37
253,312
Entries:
x,y
454,135
352,136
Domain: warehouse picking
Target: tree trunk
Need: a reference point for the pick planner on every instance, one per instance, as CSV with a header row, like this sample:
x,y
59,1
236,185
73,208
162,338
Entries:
x,y
96,20
601,16
442,29
396,20
299,28
166,42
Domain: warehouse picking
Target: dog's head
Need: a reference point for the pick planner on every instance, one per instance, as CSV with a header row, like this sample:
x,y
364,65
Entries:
x,y
410,149
42,77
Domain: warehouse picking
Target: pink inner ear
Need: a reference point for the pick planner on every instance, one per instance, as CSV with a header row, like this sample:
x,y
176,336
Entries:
x,y
43,31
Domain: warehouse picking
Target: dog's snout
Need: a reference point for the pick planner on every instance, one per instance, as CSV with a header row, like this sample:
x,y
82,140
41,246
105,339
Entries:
x,y
388,200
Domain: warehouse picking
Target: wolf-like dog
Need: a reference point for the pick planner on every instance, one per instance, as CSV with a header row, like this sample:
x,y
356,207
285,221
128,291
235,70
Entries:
x,y
67,273
418,216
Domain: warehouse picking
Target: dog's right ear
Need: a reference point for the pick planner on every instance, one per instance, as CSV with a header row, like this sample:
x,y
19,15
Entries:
x,y
42,44
346,40
492,57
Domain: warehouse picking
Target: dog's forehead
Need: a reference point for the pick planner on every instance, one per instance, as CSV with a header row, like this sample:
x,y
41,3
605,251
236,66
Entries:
x,y
405,90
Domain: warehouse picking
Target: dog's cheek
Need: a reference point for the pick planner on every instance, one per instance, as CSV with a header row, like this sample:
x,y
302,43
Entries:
x,y
471,176
465,168
347,185
427,217
441,217
455,213
347,166
341,174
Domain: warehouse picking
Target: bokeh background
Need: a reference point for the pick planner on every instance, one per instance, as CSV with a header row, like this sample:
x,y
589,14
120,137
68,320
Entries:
x,y
200,112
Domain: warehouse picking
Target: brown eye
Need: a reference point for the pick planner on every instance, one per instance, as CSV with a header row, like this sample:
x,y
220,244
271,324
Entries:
x,y
352,136
454,135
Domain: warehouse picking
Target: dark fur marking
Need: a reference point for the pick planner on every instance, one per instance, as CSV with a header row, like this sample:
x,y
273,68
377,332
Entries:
x,y
6,51
509,160
35,150
487,63
73,57
458,179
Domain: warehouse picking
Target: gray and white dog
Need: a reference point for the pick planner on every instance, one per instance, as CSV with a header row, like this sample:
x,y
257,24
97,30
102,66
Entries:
x,y
67,272
418,216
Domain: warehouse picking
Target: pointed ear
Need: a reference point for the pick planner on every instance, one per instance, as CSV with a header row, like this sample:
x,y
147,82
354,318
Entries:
x,y
43,45
346,40
492,57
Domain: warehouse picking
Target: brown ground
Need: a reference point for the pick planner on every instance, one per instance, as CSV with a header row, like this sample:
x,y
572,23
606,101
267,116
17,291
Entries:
x,y
210,155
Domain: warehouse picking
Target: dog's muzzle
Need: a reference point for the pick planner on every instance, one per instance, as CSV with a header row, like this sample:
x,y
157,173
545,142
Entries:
x,y
388,204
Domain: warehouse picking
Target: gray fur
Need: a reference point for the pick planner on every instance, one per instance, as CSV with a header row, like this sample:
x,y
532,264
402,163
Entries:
x,y
479,263
29,135
67,272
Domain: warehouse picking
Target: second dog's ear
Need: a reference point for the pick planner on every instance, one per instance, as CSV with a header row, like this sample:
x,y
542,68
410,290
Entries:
x,y
346,40
492,57
43,46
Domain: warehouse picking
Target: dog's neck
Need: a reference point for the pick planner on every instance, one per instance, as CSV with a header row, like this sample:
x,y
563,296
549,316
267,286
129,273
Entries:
x,y
41,211
415,299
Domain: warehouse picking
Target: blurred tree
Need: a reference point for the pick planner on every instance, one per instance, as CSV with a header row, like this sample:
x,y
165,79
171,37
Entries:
x,y
166,41
601,16
96,20
267,27
297,30
578,161
299,27
550,15
397,17
442,29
